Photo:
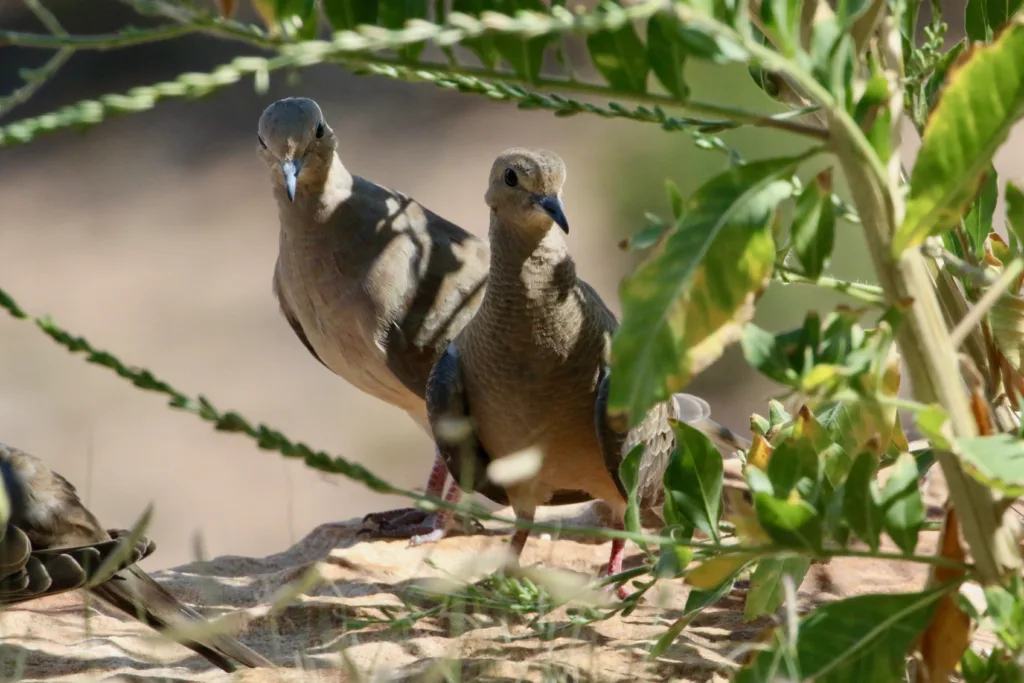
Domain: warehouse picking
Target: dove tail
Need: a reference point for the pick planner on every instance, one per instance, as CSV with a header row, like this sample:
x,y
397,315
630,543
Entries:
x,y
136,594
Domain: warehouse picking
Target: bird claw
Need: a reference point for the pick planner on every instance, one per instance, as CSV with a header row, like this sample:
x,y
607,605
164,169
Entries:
x,y
432,537
412,523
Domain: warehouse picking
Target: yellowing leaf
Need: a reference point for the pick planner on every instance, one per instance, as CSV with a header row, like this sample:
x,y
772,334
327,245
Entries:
x,y
949,632
759,453
710,574
689,299
982,100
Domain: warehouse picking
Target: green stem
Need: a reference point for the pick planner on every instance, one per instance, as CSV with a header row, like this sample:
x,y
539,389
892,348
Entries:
x,y
869,293
107,41
37,80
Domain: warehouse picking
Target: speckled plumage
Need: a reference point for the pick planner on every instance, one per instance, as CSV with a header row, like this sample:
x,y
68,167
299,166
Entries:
x,y
50,544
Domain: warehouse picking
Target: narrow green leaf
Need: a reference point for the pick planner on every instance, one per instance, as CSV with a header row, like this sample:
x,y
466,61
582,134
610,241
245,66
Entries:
x,y
675,199
793,525
347,14
686,302
861,500
766,593
814,226
693,481
667,54
1015,211
394,14
981,102
629,470
865,638
902,504
984,18
979,220
620,57
996,461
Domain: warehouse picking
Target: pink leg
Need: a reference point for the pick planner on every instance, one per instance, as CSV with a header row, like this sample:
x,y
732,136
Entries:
x,y
616,557
442,517
438,477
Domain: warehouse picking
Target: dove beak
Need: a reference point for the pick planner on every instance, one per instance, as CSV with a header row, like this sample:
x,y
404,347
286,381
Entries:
x,y
291,176
552,206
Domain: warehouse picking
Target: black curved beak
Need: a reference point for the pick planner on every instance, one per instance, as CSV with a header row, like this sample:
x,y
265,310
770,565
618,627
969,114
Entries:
x,y
552,206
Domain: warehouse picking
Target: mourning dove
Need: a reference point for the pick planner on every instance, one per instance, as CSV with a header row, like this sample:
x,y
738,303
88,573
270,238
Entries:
x,y
50,543
529,372
372,283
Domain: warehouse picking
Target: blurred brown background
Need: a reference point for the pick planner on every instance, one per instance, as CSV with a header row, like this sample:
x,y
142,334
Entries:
x,y
155,235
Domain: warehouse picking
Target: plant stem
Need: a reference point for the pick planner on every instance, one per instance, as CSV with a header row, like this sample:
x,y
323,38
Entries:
x,y
871,294
986,302
39,78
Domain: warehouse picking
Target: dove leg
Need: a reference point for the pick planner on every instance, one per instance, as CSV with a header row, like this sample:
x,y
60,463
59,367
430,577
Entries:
x,y
438,529
618,553
518,541
408,522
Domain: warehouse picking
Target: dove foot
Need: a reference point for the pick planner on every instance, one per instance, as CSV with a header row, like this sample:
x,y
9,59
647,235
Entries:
x,y
432,537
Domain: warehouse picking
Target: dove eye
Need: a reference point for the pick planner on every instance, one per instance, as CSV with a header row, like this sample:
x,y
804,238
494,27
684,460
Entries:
x,y
320,129
510,178
262,144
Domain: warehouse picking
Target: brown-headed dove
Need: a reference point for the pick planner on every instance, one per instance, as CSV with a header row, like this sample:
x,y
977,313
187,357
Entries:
x,y
530,371
50,543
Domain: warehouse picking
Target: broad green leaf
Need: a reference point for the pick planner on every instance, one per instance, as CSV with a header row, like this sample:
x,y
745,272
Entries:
x,y
647,236
762,351
931,421
482,46
667,54
865,638
347,14
1015,211
620,57
712,574
981,102
862,503
902,504
525,56
689,299
766,592
790,524
794,464
984,18
672,560
693,480
697,601
628,475
394,14
996,461
814,226
979,220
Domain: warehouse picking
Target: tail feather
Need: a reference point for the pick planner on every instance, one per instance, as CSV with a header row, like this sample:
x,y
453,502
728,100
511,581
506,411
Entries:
x,y
136,594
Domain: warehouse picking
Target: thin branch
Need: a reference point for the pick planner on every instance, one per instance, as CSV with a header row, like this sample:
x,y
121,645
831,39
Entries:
x,y
48,19
986,302
871,294
128,37
38,78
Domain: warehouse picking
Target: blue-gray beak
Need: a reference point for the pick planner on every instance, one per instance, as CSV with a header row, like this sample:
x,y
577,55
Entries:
x,y
552,206
291,176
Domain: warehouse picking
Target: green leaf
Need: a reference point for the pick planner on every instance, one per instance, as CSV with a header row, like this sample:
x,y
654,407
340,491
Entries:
x,y
482,46
696,602
525,56
688,300
762,351
1015,211
347,14
865,638
979,221
303,10
984,18
981,102
902,504
620,57
794,464
792,525
394,14
862,503
667,54
766,592
814,226
693,481
996,461
629,470
675,199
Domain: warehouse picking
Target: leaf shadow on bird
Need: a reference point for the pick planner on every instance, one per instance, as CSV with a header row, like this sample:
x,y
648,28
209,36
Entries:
x,y
50,544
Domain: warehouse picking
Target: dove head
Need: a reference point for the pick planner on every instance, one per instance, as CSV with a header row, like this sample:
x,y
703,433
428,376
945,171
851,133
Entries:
x,y
296,143
525,189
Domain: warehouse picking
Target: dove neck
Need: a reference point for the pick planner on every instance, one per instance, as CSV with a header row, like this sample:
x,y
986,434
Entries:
x,y
527,264
321,188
